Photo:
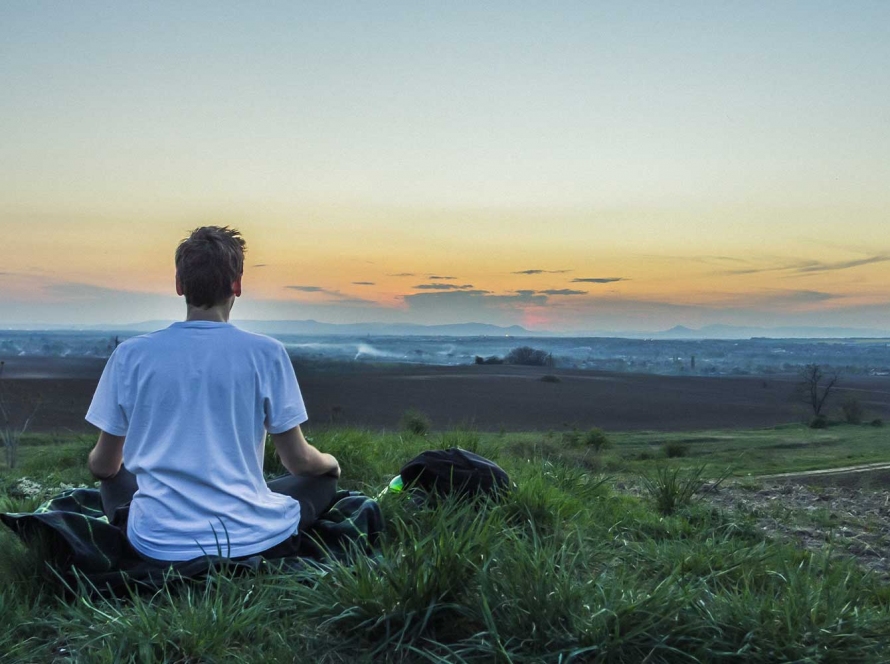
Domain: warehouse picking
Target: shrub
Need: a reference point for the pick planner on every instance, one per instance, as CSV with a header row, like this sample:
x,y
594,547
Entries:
x,y
571,438
819,422
491,359
852,411
673,488
877,422
597,439
549,378
416,422
675,450
529,356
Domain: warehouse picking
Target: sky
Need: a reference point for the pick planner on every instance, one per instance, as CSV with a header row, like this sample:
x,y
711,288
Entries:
x,y
570,167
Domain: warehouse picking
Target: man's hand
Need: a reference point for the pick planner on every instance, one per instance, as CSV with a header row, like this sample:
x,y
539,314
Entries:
x,y
301,458
335,466
107,456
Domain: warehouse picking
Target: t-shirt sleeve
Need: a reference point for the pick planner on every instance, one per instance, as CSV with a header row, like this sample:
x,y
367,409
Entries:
x,y
284,402
105,410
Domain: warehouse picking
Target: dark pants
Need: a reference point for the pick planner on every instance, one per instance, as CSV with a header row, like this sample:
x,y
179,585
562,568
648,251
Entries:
x,y
315,495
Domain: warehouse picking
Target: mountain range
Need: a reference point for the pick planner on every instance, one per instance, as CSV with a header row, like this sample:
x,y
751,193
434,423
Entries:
x,y
316,328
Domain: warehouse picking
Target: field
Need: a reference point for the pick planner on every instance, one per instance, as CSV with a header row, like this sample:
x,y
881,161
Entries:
x,y
597,555
487,398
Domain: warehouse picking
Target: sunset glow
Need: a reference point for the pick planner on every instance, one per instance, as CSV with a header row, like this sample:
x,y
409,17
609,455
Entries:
x,y
580,168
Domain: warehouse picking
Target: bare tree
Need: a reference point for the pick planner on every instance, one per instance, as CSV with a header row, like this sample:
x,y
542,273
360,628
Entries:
x,y
13,425
817,385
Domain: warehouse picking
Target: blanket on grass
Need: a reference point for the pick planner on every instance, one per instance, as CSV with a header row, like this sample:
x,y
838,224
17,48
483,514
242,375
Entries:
x,y
81,542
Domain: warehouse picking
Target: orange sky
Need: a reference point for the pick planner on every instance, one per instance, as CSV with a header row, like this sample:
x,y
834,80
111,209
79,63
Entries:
x,y
590,169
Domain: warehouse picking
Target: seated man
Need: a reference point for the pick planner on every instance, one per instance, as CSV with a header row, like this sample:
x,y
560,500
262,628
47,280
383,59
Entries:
x,y
183,414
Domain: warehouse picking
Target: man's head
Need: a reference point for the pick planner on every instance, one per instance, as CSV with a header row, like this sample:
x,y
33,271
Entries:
x,y
209,265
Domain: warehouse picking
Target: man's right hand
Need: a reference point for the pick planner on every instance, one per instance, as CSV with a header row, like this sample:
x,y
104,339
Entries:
x,y
301,458
334,464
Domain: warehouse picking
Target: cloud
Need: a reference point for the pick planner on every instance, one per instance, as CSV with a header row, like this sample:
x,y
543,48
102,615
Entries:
x,y
843,265
551,291
363,283
562,291
435,276
309,289
353,301
341,298
704,258
479,296
541,272
598,280
443,287
456,306
813,267
402,274
791,297
772,299
83,304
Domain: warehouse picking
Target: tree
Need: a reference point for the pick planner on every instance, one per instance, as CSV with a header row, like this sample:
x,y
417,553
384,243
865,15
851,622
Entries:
x,y
817,385
529,356
13,428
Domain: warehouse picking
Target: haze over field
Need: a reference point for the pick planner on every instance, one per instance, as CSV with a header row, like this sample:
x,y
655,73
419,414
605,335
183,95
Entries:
x,y
574,168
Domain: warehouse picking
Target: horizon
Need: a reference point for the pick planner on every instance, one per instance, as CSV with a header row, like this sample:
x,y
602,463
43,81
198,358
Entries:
x,y
584,167
313,328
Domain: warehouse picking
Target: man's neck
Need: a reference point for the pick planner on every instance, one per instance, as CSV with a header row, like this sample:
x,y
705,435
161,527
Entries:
x,y
216,314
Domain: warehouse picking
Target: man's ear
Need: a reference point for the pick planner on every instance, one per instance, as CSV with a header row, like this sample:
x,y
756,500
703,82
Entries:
x,y
236,287
178,285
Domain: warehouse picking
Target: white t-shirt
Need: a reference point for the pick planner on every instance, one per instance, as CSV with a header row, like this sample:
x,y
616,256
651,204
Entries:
x,y
195,401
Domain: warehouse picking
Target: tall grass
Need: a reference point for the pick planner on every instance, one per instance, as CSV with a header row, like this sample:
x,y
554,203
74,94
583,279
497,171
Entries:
x,y
563,569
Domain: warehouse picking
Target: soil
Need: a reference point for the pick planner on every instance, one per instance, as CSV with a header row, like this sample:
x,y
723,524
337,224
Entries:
x,y
488,398
846,512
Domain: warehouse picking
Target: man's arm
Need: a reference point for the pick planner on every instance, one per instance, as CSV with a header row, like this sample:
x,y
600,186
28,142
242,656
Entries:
x,y
107,456
301,458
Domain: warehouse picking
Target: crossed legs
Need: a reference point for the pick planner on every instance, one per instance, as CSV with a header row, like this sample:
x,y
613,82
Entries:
x,y
315,494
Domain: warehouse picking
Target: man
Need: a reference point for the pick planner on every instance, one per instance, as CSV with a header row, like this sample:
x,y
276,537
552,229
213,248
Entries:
x,y
183,415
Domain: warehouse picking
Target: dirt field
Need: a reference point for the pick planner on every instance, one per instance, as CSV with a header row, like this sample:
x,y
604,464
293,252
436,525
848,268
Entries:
x,y
487,397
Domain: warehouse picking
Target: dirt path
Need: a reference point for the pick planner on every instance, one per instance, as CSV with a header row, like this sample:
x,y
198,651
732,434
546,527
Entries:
x,y
829,472
844,511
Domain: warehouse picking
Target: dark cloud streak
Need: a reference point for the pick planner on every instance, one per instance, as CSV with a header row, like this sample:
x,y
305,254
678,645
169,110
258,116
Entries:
x,y
443,287
308,289
541,272
813,267
339,298
562,291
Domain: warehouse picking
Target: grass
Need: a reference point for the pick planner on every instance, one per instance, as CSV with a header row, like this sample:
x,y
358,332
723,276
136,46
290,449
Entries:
x,y
565,569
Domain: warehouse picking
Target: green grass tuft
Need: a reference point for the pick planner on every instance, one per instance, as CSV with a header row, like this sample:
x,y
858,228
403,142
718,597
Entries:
x,y
415,422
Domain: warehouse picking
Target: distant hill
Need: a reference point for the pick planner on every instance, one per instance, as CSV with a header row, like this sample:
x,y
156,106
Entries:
x,y
734,332
314,328
311,327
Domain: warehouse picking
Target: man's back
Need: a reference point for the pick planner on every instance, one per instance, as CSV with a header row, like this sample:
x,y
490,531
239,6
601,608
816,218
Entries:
x,y
194,402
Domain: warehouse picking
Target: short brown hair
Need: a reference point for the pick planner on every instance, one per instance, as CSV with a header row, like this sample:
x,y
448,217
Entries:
x,y
207,262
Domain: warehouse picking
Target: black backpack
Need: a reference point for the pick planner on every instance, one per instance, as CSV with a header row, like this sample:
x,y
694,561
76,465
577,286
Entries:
x,y
444,472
